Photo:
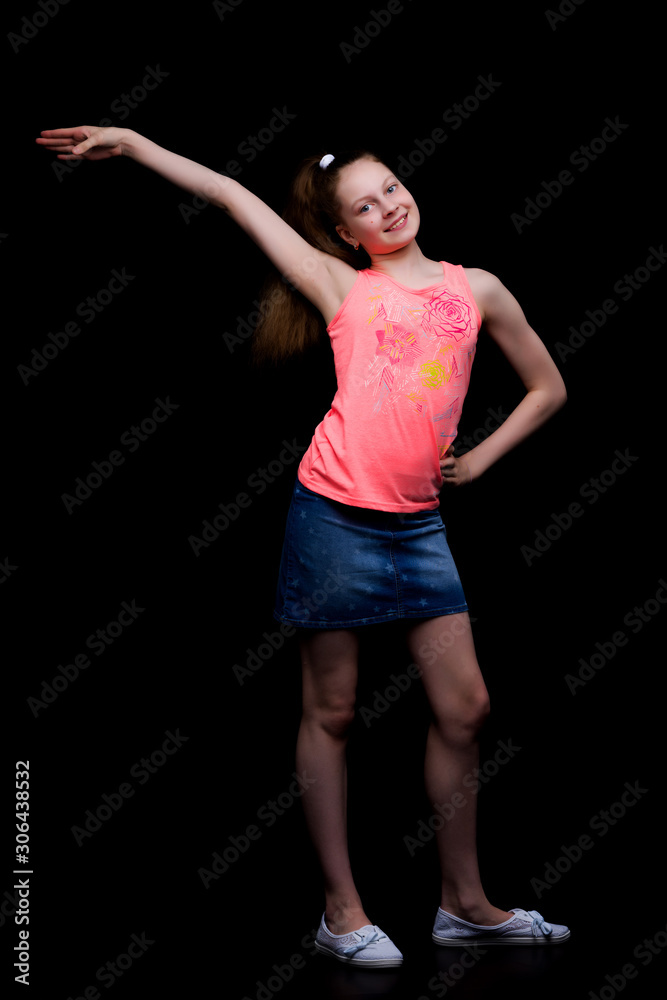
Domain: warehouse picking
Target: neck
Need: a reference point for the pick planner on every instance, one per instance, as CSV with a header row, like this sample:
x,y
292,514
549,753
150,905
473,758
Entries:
x,y
407,264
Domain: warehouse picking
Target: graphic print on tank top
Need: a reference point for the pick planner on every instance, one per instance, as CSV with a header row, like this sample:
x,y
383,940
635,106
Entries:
x,y
420,351
403,358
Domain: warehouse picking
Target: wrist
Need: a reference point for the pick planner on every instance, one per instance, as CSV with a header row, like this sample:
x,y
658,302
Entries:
x,y
472,465
131,143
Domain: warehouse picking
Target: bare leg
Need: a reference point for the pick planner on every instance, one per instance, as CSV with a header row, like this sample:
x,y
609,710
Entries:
x,y
444,650
329,661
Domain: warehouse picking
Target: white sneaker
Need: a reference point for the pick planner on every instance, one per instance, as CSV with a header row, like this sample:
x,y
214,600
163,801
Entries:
x,y
367,947
525,927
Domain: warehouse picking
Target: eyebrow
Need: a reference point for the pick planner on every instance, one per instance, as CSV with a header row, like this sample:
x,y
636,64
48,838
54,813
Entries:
x,y
369,197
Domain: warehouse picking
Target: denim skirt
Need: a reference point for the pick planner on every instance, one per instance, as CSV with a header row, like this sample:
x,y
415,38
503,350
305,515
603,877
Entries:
x,y
345,566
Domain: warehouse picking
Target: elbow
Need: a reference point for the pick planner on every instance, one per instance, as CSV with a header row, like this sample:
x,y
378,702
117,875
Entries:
x,y
562,392
560,397
556,393
551,398
218,190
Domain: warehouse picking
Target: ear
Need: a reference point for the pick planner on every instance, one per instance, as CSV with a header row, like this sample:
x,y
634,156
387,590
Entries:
x,y
346,235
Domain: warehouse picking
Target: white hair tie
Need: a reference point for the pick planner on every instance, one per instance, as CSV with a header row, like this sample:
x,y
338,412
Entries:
x,y
326,160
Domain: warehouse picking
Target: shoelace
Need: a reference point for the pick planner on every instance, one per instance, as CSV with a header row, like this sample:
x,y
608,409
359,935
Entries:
x,y
363,940
539,924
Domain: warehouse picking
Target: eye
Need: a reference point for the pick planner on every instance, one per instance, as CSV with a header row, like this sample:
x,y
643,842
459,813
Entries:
x,y
391,188
362,210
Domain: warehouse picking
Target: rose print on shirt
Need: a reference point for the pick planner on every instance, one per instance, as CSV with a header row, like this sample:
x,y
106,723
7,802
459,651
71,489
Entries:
x,y
447,315
421,353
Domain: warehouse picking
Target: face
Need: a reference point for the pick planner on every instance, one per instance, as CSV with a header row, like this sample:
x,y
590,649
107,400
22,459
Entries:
x,y
375,209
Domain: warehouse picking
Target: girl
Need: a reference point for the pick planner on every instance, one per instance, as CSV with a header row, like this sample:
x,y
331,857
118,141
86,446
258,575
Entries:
x,y
365,542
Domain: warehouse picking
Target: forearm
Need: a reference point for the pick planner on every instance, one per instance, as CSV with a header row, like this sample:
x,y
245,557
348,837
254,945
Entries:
x,y
537,406
306,267
185,173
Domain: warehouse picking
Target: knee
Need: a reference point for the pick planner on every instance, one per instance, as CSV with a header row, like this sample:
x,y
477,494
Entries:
x,y
478,711
462,723
334,719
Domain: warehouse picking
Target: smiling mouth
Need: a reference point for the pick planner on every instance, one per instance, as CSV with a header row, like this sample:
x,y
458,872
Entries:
x,y
397,224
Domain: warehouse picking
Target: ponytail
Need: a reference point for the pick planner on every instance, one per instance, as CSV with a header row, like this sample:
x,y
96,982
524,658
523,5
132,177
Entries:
x,y
289,324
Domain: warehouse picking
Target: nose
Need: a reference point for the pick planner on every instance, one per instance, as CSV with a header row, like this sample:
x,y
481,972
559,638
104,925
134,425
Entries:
x,y
391,209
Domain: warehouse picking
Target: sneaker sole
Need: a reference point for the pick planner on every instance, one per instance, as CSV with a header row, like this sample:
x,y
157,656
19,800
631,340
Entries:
x,y
373,963
532,941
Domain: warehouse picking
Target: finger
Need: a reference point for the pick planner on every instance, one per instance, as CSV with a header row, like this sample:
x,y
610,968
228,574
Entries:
x,y
63,152
55,133
79,137
83,147
61,145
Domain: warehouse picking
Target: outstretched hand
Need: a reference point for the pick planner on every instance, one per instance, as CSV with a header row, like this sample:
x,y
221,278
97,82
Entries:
x,y
84,142
454,471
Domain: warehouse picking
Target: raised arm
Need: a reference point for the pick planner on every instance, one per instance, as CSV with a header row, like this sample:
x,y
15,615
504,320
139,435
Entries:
x,y
322,279
506,323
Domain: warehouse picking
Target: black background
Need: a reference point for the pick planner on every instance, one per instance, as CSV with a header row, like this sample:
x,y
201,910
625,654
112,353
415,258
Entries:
x,y
169,335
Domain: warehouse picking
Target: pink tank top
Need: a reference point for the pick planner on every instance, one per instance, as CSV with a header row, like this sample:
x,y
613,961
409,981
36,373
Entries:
x,y
403,358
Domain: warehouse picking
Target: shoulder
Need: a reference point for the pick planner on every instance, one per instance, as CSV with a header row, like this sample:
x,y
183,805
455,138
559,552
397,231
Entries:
x,y
488,290
480,279
504,319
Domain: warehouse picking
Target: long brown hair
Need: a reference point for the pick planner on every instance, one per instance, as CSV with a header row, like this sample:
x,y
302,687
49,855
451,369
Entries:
x,y
288,322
